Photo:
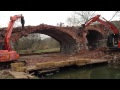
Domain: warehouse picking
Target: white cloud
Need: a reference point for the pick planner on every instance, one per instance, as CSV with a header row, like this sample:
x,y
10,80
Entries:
x,y
46,17
36,17
107,15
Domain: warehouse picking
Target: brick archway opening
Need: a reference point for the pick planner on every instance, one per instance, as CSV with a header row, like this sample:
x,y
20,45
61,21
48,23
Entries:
x,y
94,39
67,43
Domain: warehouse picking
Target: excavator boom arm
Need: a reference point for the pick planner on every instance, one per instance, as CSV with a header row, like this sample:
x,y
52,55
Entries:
x,y
92,20
105,23
9,30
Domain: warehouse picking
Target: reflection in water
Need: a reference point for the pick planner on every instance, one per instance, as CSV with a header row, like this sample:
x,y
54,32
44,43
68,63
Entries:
x,y
96,72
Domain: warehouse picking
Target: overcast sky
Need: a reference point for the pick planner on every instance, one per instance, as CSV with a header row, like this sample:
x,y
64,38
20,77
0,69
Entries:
x,y
46,17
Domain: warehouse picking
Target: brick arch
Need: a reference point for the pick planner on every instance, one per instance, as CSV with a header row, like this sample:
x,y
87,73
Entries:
x,y
66,36
96,28
70,41
95,35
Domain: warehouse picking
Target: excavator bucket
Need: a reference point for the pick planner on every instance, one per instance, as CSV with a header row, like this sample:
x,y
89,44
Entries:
x,y
22,22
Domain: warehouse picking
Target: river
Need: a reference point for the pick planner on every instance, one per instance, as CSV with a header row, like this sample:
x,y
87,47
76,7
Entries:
x,y
89,72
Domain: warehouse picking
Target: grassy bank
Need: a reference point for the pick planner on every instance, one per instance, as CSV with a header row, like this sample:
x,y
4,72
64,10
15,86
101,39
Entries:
x,y
39,51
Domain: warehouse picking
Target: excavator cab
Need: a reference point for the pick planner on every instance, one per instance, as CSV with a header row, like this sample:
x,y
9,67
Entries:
x,y
2,46
113,41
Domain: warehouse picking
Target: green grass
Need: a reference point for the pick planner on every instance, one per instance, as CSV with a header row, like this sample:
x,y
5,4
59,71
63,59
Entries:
x,y
48,50
40,51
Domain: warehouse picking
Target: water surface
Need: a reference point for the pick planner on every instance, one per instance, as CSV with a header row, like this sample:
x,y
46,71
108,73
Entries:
x,y
91,72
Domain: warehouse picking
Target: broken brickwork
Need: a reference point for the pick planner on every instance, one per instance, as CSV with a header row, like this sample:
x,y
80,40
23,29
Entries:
x,y
70,41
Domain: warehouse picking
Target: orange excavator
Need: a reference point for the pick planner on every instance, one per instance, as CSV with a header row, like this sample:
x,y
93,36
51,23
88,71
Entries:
x,y
113,41
7,54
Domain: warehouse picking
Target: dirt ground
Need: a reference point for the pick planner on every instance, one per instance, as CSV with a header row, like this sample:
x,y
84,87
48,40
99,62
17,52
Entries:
x,y
31,60
96,54
4,74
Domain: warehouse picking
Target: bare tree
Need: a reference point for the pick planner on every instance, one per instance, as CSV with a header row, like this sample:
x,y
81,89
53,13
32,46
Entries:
x,y
79,17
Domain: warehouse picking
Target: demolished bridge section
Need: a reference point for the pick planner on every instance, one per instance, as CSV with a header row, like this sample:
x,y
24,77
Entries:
x,y
70,41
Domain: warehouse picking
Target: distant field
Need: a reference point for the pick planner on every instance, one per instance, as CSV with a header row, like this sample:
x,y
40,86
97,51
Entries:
x,y
39,51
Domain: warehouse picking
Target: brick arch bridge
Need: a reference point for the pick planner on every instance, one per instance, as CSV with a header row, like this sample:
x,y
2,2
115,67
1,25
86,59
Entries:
x,y
70,41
